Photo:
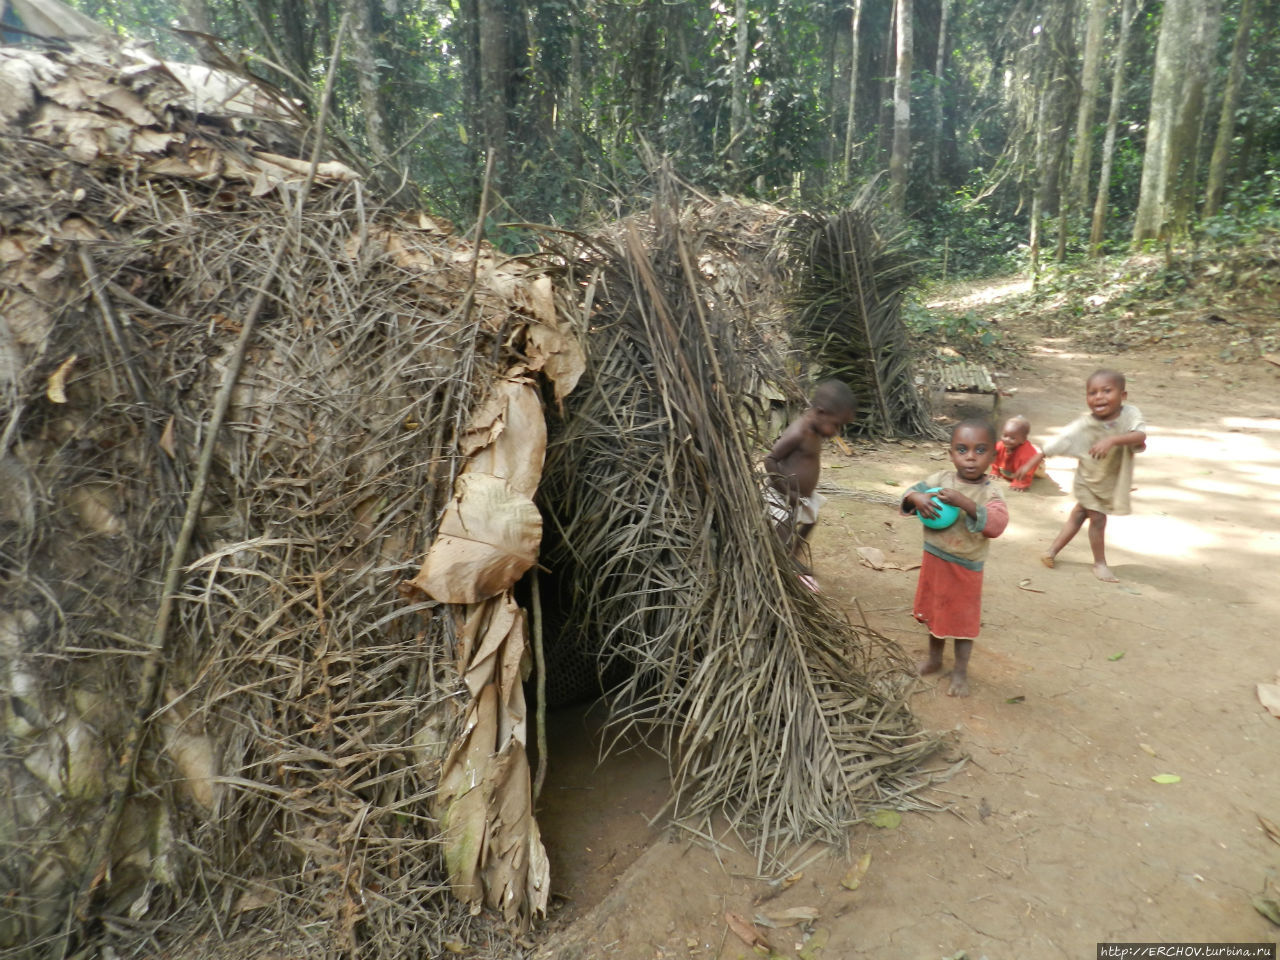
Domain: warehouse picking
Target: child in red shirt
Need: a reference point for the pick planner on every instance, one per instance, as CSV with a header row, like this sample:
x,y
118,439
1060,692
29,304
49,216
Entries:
x,y
1013,452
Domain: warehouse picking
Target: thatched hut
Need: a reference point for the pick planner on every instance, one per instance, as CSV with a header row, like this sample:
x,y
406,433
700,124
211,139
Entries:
x,y
241,405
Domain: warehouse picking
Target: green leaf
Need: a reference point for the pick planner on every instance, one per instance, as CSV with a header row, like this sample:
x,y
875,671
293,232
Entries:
x,y
1116,656
1167,778
1268,908
885,819
1020,698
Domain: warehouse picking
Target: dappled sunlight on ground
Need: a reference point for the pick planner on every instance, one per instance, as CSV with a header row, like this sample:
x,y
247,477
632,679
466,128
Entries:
x,y
979,294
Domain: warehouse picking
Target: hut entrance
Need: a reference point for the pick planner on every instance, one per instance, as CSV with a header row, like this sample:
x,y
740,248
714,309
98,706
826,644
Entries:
x,y
596,806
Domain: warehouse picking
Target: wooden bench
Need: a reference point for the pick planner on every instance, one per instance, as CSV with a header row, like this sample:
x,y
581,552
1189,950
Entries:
x,y
965,376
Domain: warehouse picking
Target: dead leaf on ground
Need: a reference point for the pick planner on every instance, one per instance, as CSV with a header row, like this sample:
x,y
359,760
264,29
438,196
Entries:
x,y
1148,749
1272,830
853,879
1269,697
885,819
1269,908
1025,584
873,557
746,931
787,918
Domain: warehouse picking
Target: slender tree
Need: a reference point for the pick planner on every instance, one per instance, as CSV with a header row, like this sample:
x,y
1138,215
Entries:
x,y
900,156
1077,191
935,155
1226,120
738,106
1113,120
365,59
855,25
1188,30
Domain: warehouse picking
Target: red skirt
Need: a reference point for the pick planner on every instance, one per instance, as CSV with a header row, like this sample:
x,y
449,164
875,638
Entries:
x,y
948,599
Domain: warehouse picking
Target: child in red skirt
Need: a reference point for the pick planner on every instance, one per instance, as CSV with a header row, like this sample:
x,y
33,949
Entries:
x,y
949,592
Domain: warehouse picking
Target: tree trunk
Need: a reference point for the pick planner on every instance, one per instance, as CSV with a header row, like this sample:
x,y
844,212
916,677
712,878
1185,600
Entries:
x,y
887,74
366,63
900,157
1113,120
1187,34
494,63
1090,82
935,157
1188,131
738,105
855,24
1226,120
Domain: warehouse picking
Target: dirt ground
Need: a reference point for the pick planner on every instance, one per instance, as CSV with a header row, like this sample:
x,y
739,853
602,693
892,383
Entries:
x,y
1057,837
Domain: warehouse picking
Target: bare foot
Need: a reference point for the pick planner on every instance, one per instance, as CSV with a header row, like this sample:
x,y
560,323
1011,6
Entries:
x,y
926,667
1048,560
959,686
1103,573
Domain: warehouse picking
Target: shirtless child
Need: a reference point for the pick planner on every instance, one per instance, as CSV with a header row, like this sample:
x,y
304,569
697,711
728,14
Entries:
x,y
793,466
1104,440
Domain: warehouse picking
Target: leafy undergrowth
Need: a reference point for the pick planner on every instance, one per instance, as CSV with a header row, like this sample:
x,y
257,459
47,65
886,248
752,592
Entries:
x,y
1218,299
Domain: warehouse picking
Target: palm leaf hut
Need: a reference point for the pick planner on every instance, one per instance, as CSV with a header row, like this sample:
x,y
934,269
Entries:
x,y
270,454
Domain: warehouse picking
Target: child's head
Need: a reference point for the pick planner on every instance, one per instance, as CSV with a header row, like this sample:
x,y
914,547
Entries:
x,y
1015,432
1105,393
973,447
831,407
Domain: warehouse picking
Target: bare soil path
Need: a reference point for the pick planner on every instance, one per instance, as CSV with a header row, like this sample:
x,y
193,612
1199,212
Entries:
x,y
1058,838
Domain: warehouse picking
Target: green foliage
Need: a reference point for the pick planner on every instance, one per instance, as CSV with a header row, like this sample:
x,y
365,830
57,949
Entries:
x,y
970,237
1253,209
959,330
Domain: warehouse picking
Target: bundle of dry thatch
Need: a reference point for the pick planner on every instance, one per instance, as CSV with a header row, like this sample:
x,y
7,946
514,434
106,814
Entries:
x,y
266,760
240,403
771,707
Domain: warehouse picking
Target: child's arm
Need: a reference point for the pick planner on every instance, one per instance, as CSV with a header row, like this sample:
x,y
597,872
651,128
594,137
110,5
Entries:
x,y
994,517
1134,438
783,448
1028,469
1020,483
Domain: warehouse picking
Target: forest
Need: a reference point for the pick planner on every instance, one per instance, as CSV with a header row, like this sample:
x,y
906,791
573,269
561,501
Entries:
x,y
999,133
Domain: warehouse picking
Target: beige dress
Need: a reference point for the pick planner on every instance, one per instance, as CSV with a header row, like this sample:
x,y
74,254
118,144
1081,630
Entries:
x,y
1101,485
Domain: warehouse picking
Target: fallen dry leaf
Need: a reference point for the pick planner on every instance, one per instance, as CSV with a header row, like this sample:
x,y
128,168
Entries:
x,y
1269,697
853,879
873,557
167,440
57,388
746,931
1025,584
788,917
1272,830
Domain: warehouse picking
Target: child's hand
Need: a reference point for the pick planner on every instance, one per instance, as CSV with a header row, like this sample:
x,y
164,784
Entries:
x,y
958,499
923,504
1102,447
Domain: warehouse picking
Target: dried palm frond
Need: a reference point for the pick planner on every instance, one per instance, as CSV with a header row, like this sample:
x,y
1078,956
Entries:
x,y
770,706
849,283
289,772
